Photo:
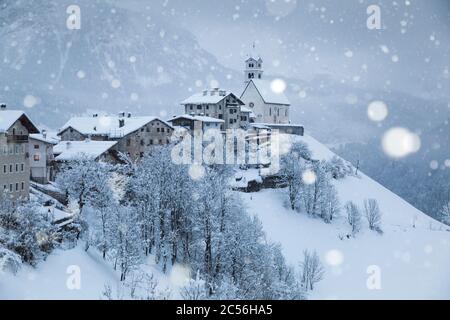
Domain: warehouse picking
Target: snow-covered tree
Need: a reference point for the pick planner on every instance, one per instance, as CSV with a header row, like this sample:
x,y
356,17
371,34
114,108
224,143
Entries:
x,y
353,217
292,167
124,240
25,230
195,289
444,214
312,270
372,214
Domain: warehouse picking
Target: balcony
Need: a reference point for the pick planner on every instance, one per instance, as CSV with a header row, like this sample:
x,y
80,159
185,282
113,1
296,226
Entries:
x,y
10,138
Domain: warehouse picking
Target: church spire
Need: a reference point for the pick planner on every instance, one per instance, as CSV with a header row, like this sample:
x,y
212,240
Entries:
x,y
253,65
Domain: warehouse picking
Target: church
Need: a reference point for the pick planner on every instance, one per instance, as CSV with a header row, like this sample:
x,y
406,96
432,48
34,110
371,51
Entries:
x,y
258,106
268,106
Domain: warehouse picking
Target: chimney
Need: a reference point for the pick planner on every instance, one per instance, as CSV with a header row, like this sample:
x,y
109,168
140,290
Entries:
x,y
205,92
129,114
222,93
2,106
44,134
121,114
121,123
95,115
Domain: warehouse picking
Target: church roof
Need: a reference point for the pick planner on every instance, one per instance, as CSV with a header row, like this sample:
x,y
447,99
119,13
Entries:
x,y
267,94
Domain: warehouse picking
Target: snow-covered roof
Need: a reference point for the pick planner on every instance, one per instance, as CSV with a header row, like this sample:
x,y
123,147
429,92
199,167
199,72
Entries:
x,y
248,110
9,117
197,118
72,150
267,94
288,125
259,126
49,138
209,97
108,125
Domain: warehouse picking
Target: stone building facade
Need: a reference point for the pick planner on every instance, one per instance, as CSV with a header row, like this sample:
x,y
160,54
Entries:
x,y
15,128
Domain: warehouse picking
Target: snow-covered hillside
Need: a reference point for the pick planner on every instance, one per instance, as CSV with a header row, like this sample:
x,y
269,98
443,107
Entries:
x,y
412,254
49,280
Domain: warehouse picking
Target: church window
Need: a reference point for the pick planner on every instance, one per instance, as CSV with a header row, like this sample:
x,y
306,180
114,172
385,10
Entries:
x,y
251,104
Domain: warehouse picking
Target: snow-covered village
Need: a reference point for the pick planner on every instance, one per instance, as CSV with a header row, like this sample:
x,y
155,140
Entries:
x,y
224,150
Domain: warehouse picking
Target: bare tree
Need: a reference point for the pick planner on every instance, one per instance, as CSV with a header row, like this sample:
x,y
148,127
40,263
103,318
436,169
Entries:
x,y
312,270
372,214
353,217
195,289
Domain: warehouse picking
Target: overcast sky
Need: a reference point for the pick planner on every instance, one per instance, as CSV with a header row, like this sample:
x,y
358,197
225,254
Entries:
x,y
303,38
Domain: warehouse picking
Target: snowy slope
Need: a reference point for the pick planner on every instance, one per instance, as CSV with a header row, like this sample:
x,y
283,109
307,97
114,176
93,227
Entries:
x,y
413,261
48,280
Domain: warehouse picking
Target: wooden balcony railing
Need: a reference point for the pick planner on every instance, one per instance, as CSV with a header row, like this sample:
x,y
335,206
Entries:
x,y
16,138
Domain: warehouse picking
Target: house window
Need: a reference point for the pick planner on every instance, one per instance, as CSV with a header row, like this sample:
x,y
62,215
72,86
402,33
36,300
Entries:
x,y
158,130
191,107
199,107
151,142
142,143
270,111
22,167
17,186
5,168
162,129
23,186
160,142
17,167
36,146
220,116
10,187
36,157
207,107
128,142
10,168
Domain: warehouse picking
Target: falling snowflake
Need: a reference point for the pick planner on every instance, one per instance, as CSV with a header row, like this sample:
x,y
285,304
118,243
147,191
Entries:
x,y
278,86
377,111
30,101
309,177
400,142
